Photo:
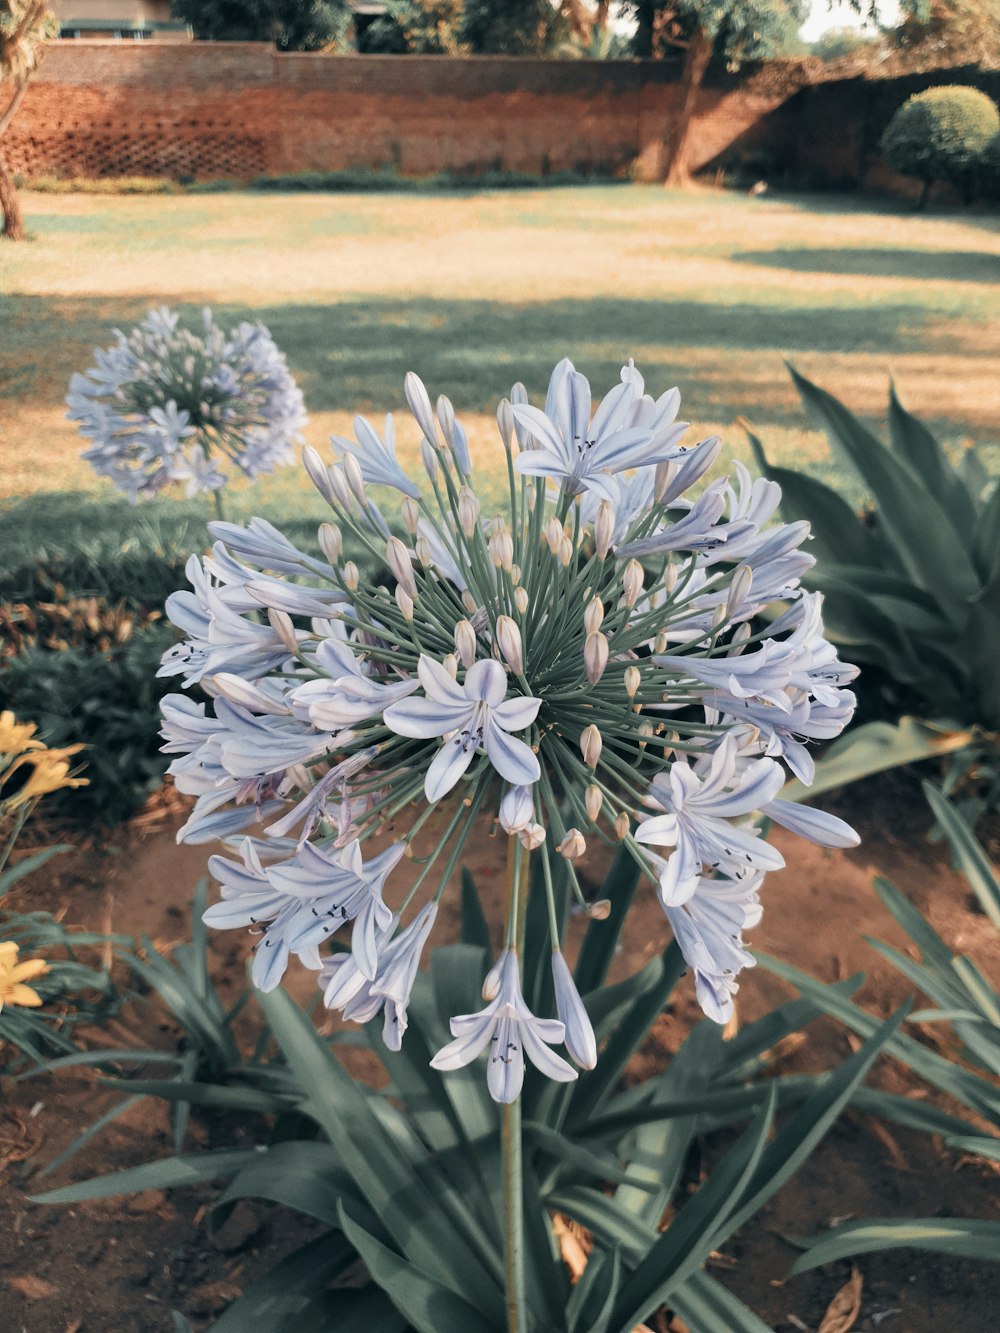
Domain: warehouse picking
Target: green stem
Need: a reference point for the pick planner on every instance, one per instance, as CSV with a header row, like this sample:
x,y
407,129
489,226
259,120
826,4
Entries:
x,y
510,1120
219,514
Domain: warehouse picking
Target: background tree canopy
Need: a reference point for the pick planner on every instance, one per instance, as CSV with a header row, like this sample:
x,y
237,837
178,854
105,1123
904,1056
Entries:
x,y
293,25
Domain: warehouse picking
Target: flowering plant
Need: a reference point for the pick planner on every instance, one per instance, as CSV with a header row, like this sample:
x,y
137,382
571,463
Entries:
x,y
166,404
592,662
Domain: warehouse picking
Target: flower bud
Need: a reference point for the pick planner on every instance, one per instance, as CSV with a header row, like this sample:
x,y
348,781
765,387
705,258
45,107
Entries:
x,y
352,576
469,602
590,745
661,480
669,578
661,643
422,548
521,600
491,982
565,552
604,528
515,575
420,405
340,488
595,656
331,541
352,471
429,458
573,845
531,499
405,603
739,639
633,679
468,510
554,535
593,616
738,590
632,582
622,826
450,665
517,809
505,422
398,559
501,548
594,802
282,625
318,474
509,642
465,643
645,731
532,837
579,1039
601,910
446,416
409,511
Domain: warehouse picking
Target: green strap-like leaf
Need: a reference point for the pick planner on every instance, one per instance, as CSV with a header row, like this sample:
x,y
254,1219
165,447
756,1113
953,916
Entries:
x,y
973,860
475,930
932,549
961,1238
917,446
429,1307
592,1299
601,938
299,1174
706,1306
168,1173
875,747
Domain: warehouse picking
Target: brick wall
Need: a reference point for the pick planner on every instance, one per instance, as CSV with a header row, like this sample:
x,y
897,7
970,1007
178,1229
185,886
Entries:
x,y
241,109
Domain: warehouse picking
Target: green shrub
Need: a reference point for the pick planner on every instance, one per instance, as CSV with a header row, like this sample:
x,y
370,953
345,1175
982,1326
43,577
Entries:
x,y
108,700
940,134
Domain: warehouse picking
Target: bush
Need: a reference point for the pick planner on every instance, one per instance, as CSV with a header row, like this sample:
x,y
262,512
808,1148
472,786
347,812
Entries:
x,y
941,134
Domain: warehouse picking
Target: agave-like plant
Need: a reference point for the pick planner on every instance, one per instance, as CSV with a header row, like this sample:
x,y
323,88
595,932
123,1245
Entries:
x,y
966,1067
911,587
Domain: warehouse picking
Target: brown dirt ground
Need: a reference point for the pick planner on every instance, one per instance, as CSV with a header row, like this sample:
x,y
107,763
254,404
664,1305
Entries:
x,y
121,1266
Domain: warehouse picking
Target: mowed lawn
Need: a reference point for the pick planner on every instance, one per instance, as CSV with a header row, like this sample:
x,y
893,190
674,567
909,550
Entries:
x,y
709,291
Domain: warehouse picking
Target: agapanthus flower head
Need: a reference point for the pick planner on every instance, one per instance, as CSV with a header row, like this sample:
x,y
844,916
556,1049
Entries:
x,y
590,662
167,403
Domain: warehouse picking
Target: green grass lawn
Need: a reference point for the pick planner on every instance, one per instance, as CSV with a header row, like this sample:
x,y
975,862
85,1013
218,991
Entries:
x,y
709,291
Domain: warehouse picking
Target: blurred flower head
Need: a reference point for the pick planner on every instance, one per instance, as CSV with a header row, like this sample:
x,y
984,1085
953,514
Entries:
x,y
15,975
168,403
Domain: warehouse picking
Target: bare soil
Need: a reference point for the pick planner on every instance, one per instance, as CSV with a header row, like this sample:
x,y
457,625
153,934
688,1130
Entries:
x,y
122,1265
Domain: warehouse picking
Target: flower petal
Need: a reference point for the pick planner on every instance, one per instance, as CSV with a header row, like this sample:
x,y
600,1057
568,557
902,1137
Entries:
x,y
447,766
512,759
424,718
486,680
518,713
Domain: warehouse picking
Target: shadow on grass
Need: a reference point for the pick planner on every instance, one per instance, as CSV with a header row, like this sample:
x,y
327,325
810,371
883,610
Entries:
x,y
921,265
352,355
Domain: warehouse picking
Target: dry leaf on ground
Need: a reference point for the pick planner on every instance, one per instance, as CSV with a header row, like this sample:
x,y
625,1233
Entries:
x,y
34,1288
845,1307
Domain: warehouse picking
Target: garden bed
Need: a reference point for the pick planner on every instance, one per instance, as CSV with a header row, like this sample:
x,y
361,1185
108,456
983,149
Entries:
x,y
126,1263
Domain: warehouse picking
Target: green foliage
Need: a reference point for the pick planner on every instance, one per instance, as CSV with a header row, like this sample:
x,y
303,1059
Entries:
x,y
912,587
71,991
109,701
509,27
407,1179
415,27
941,134
966,1068
293,25
738,30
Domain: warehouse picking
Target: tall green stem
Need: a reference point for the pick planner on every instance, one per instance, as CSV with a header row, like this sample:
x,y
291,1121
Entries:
x,y
219,513
510,1115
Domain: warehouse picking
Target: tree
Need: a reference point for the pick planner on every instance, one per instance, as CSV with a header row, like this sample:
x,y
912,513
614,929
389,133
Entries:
x,y
25,26
415,27
734,30
293,25
509,27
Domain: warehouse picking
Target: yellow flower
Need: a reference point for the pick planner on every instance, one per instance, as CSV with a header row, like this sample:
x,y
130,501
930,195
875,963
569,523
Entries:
x,y
13,975
16,736
50,772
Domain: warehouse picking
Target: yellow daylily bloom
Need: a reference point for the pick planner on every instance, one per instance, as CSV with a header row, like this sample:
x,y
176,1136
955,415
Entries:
x,y
50,772
13,976
16,736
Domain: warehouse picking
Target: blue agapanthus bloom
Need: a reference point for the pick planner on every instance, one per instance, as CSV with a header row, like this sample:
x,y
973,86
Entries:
x,y
171,404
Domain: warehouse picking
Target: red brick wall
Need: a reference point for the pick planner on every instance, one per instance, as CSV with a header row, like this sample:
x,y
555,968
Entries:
x,y
241,109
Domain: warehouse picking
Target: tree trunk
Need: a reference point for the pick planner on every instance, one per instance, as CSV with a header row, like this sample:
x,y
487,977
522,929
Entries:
x,y
696,58
10,205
